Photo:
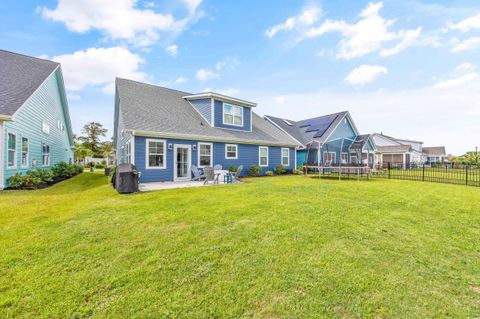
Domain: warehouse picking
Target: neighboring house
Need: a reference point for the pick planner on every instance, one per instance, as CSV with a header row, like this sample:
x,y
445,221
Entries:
x,y
402,151
164,131
35,129
435,154
328,140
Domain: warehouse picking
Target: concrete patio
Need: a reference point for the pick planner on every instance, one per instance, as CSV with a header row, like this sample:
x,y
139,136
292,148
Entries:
x,y
155,186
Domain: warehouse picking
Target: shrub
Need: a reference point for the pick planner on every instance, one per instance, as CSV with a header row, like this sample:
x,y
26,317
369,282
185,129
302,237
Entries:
x,y
232,169
297,171
269,173
104,162
18,181
45,175
280,169
65,170
99,166
254,170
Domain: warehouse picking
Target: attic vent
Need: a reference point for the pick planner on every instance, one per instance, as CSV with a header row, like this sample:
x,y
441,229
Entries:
x,y
287,122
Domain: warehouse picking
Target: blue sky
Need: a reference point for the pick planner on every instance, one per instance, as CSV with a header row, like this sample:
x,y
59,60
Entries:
x,y
407,68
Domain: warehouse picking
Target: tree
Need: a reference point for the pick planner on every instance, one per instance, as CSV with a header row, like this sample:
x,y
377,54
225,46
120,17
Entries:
x,y
81,152
106,148
93,131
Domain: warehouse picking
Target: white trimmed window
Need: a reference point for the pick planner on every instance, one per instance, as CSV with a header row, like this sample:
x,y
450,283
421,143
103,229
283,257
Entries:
x,y
354,159
231,151
128,155
232,114
329,157
12,150
285,156
25,148
45,128
45,155
205,154
344,158
263,156
156,153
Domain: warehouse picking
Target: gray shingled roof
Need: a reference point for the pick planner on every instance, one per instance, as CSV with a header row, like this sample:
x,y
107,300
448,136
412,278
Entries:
x,y
435,150
300,132
150,108
20,76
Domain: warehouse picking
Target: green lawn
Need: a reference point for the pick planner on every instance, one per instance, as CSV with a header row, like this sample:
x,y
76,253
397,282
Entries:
x,y
282,247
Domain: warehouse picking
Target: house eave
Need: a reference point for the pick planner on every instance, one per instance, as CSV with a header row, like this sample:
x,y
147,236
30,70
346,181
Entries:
x,y
5,117
205,138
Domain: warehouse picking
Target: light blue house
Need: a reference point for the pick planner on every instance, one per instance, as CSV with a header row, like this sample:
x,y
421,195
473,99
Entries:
x,y
164,131
328,140
35,129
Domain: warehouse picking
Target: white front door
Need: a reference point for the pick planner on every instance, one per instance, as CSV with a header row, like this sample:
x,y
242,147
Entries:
x,y
182,158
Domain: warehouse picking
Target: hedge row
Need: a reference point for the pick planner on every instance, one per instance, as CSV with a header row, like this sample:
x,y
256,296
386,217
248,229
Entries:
x,y
43,177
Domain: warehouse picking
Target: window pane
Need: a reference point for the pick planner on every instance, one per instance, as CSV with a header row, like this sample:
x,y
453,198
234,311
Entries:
x,y
227,108
263,152
11,141
263,161
237,120
228,119
11,158
205,160
237,111
155,160
25,144
205,149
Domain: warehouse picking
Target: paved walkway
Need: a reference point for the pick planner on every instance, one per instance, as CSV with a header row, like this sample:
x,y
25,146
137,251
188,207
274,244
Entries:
x,y
155,186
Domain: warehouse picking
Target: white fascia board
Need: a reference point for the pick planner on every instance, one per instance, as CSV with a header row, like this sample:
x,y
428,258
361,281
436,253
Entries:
x,y
220,97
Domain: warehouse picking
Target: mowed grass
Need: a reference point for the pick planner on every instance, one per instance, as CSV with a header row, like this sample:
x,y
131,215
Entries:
x,y
281,247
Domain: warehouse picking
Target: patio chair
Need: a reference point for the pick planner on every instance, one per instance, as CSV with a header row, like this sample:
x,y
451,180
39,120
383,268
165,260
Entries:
x,y
197,176
236,175
217,167
210,176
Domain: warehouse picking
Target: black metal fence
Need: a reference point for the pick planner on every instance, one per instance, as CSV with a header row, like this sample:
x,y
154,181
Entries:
x,y
450,173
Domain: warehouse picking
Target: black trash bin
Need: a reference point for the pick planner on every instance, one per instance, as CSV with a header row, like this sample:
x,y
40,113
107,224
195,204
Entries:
x,y
107,171
126,179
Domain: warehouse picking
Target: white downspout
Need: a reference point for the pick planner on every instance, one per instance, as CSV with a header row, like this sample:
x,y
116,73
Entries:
x,y
2,156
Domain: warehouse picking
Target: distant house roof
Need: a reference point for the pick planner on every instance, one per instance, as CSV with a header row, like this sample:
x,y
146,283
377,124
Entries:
x,y
394,148
315,129
435,151
149,109
20,76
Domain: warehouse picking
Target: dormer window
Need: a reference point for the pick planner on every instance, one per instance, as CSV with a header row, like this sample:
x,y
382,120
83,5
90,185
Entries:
x,y
232,114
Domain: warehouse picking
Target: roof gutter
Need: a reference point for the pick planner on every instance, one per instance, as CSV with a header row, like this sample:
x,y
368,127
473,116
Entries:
x,y
5,117
204,138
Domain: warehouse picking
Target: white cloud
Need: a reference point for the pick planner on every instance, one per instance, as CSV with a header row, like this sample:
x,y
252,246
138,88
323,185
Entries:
x,y
227,63
192,5
467,24
117,19
181,80
408,37
465,67
463,76
280,99
205,75
466,44
365,74
307,17
367,35
227,91
99,67
172,50
457,82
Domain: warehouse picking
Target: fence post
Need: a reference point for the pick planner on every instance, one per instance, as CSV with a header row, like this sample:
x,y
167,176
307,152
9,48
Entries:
x,y
423,173
466,175
388,167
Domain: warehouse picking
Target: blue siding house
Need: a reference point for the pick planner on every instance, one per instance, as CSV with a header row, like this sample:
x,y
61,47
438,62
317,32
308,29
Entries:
x,y
164,131
328,140
35,129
